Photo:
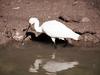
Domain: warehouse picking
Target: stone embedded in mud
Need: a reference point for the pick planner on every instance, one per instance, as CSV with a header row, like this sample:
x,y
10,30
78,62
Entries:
x,y
85,19
75,3
16,8
18,36
90,38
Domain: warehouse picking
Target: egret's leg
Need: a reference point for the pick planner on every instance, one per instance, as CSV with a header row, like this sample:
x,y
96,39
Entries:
x,y
66,42
69,42
53,40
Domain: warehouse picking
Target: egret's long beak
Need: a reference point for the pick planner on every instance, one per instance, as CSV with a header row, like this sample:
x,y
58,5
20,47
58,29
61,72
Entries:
x,y
25,36
28,27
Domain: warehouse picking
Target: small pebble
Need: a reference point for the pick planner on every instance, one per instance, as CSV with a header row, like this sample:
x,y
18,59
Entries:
x,y
85,19
16,8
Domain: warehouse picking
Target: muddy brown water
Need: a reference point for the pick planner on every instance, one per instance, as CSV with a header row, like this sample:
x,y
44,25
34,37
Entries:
x,y
15,59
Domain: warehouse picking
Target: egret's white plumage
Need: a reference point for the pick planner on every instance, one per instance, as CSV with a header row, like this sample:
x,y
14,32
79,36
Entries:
x,y
54,29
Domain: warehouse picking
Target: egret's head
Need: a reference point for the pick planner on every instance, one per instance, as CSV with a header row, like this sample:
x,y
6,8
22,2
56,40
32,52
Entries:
x,y
33,20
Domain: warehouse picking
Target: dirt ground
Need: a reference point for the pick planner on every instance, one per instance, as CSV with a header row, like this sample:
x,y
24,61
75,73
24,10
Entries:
x,y
14,15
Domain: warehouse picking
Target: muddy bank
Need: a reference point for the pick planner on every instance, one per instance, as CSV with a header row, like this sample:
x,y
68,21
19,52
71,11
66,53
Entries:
x,y
14,15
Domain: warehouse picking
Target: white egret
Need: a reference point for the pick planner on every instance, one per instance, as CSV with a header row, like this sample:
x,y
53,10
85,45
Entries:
x,y
54,29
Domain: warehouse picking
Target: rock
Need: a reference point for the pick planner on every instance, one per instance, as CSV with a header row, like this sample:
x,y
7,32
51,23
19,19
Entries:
x,y
90,38
68,19
17,36
75,3
16,8
85,19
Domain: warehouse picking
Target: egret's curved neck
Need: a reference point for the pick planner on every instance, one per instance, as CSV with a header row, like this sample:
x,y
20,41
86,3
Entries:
x,y
37,27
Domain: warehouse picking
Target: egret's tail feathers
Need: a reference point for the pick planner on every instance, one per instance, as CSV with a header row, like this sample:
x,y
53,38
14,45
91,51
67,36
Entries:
x,y
75,36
